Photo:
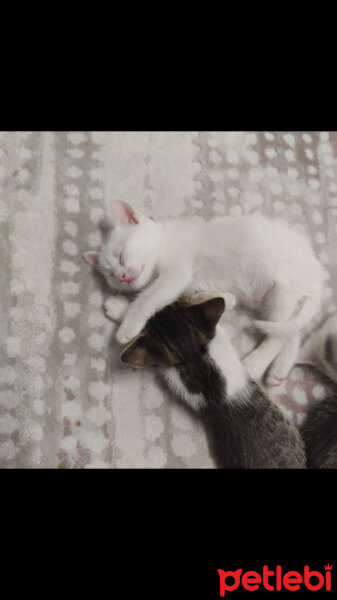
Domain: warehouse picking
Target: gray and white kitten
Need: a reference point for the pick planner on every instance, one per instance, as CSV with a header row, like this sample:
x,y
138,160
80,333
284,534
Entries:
x,y
319,429
200,366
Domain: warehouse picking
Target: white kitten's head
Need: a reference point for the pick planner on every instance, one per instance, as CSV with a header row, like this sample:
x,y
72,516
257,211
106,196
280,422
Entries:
x,y
128,257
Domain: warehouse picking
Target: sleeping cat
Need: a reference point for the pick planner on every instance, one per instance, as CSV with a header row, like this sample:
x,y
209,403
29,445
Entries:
x,y
262,263
319,429
246,430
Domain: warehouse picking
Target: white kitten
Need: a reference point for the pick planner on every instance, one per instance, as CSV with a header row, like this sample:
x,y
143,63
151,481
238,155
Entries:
x,y
263,263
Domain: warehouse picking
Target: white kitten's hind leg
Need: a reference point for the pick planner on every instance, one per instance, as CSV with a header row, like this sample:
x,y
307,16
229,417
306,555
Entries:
x,y
116,307
283,363
259,360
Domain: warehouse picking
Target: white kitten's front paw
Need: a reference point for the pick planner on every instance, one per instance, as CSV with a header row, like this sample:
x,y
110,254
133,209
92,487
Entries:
x,y
115,307
129,329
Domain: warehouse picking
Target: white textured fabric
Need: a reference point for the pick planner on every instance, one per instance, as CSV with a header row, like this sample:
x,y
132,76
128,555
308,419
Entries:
x,y
65,401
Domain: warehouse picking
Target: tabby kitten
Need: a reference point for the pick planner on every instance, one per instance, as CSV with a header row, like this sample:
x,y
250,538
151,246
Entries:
x,y
319,429
199,364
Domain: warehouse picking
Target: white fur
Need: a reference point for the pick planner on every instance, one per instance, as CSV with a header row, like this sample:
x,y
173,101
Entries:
x,y
313,350
265,264
173,380
225,358
307,309
284,361
116,307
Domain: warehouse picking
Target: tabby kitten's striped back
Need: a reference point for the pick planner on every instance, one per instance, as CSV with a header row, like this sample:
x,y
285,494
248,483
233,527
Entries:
x,y
199,364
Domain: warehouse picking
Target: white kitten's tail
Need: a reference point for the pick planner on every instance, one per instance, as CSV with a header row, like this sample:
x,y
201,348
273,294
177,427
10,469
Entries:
x,y
303,316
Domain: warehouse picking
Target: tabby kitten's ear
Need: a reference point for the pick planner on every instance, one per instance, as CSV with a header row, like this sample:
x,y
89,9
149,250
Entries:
x,y
143,351
206,315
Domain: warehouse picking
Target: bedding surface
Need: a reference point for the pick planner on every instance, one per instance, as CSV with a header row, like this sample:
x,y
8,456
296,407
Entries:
x,y
65,400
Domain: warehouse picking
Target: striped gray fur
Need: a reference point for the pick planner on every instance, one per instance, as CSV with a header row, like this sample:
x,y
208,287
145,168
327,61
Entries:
x,y
247,431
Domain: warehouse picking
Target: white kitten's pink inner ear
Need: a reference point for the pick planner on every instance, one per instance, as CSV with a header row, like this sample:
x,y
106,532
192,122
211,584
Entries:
x,y
91,257
123,213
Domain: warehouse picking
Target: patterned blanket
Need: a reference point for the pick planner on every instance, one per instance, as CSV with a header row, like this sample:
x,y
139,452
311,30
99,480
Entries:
x,y
65,400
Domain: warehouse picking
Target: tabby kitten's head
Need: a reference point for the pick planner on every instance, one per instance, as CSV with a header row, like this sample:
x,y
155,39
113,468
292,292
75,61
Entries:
x,y
176,340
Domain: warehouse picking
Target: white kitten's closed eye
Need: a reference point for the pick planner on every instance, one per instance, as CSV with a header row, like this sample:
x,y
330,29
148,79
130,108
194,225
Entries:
x,y
127,256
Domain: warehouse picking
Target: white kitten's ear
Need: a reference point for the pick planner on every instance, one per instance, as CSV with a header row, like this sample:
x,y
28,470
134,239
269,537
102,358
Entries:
x,y
123,213
91,257
306,355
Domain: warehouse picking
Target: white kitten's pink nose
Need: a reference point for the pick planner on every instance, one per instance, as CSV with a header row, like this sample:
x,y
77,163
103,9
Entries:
x,y
124,279
129,276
